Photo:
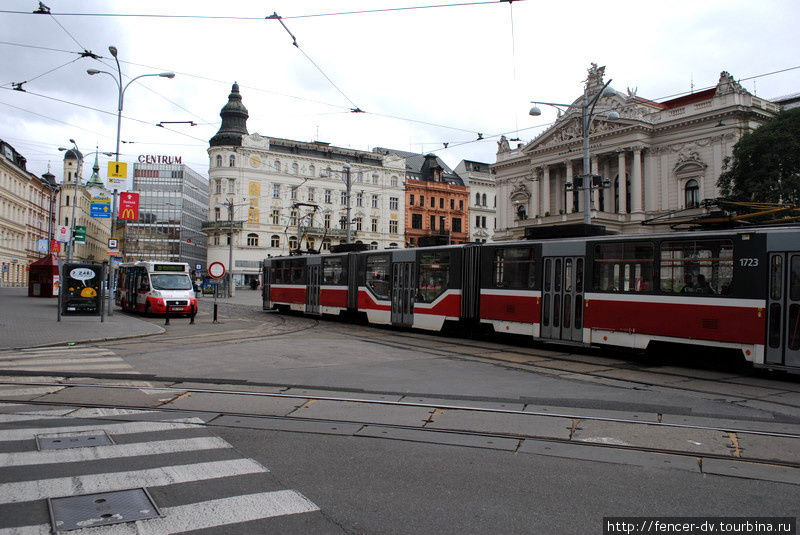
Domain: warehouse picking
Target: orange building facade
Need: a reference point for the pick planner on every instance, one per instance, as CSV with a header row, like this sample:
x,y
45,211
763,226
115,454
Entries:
x,y
436,210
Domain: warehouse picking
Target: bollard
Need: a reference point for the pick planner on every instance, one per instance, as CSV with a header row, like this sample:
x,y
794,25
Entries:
x,y
215,313
166,316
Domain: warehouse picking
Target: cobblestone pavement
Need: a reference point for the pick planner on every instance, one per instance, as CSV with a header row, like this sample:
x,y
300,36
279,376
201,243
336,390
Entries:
x,y
31,321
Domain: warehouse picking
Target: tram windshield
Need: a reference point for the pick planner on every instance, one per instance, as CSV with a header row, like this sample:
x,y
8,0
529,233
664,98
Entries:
x,y
171,281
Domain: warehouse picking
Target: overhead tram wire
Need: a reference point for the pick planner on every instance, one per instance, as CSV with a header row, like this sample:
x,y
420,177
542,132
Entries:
x,y
19,84
106,112
232,17
51,118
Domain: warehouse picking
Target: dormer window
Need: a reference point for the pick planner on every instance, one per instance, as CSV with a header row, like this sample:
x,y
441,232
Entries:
x,y
232,161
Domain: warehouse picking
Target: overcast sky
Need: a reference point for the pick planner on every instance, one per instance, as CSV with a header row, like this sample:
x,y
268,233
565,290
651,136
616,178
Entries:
x,y
458,67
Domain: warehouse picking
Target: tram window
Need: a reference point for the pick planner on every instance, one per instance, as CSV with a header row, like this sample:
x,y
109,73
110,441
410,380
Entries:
x,y
332,271
697,267
794,279
623,267
514,268
297,271
546,313
434,274
793,338
547,275
378,275
567,277
557,278
578,311
775,318
578,278
776,277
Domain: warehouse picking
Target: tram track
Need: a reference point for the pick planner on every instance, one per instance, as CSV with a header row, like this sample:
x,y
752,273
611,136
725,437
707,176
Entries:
x,y
457,352
736,434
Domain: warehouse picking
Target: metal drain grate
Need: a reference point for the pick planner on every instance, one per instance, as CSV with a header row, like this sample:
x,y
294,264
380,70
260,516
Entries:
x,y
103,509
78,440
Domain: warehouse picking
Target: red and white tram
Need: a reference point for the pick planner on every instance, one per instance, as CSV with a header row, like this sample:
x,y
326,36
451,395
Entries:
x,y
737,289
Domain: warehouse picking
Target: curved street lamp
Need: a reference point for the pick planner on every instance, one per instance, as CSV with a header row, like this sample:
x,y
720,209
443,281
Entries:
x,y
587,108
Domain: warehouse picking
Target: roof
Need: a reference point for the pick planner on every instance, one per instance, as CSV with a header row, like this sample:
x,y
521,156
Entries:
x,y
414,161
689,99
73,154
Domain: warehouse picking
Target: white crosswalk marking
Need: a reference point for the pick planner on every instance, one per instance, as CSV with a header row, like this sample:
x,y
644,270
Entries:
x,y
208,514
67,359
162,462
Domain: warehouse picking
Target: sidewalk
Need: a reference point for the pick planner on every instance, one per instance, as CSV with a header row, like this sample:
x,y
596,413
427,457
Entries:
x,y
245,297
31,321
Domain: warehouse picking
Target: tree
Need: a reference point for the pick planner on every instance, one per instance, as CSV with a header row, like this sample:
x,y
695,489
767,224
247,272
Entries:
x,y
765,166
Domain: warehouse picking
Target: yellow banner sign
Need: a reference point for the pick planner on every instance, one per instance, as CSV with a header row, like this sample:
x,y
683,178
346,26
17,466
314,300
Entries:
x,y
117,170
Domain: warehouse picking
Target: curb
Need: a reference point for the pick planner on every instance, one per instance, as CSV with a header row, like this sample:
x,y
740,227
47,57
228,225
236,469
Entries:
x,y
87,341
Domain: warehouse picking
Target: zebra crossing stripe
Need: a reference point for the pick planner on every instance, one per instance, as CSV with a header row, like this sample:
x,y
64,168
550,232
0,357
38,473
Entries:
x,y
8,435
53,354
202,515
15,363
23,491
8,390
74,455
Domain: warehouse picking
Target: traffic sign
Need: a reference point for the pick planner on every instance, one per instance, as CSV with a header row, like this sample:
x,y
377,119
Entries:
x,y
63,234
216,270
80,234
117,170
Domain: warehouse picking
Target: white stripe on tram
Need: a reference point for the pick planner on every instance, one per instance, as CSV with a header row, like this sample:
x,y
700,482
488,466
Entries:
x,y
24,491
115,451
202,515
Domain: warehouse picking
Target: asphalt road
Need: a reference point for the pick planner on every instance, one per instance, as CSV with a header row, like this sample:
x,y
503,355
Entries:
x,y
334,482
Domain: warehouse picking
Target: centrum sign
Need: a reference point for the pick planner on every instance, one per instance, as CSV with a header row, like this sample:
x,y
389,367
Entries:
x,y
155,158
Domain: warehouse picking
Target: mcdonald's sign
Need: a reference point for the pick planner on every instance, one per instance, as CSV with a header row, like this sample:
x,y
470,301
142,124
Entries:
x,y
129,206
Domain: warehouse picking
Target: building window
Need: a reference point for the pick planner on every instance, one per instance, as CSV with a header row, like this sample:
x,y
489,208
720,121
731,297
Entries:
x,y
392,226
374,201
326,244
327,196
293,218
478,221
275,217
433,202
483,221
360,198
411,199
692,194
374,224
293,194
393,181
416,221
422,200
483,199
433,222
477,199
275,241
358,223
231,185
393,202
374,178
311,170
277,165
343,197
67,200
252,240
216,213
219,160
452,204
232,161
218,183
456,224
343,222
461,205
327,220
295,169
293,242
216,239
373,246
310,194
360,176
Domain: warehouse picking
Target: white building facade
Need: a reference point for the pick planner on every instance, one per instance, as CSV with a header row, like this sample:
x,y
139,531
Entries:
x,y
278,196
477,176
658,158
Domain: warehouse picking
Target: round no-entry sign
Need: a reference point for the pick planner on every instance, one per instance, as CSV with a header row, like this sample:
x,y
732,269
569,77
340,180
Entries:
x,y
216,270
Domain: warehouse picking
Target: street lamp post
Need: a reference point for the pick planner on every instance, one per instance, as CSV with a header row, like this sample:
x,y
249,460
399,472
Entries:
x,y
120,100
587,113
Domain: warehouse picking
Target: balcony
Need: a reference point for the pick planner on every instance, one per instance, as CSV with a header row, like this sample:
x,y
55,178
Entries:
x,y
222,225
321,231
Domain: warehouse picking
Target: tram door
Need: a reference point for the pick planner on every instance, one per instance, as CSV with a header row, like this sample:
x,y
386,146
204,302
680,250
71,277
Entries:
x,y
312,289
562,298
783,310
403,290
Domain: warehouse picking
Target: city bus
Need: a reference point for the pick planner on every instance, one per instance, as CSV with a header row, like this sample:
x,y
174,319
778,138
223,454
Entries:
x,y
156,288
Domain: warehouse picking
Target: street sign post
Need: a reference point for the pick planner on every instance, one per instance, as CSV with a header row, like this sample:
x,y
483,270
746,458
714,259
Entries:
x,y
216,270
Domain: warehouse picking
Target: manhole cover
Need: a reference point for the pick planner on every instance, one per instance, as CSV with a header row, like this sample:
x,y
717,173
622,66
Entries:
x,y
78,512
77,440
